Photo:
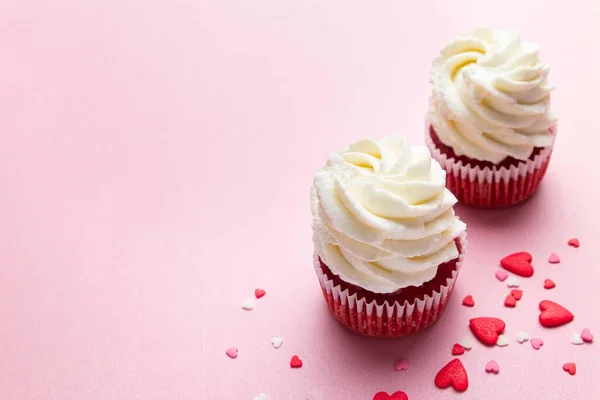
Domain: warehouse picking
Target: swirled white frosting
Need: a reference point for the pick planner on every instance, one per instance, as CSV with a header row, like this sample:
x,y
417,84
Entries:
x,y
491,96
382,217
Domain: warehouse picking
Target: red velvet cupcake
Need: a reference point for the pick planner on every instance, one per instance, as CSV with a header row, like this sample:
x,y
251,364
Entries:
x,y
388,247
490,123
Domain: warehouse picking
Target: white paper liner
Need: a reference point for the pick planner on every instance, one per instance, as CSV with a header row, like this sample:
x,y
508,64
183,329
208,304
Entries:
x,y
420,313
486,174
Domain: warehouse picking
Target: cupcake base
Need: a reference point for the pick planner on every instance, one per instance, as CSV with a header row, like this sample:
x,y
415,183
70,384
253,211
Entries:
x,y
407,311
486,185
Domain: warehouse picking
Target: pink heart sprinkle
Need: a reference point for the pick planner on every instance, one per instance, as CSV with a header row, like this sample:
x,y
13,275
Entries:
x,y
492,366
501,275
401,365
587,335
536,343
554,258
232,352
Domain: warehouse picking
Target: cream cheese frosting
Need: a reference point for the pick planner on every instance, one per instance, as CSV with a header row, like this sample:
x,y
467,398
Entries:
x,y
491,96
382,217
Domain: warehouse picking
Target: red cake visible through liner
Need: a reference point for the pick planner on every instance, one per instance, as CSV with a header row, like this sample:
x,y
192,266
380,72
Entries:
x,y
469,179
404,312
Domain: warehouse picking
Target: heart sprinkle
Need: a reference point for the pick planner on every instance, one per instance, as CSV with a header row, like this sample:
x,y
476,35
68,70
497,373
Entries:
x,y
259,293
261,396
393,396
576,339
574,242
492,366
487,329
510,301
570,368
401,365
276,342
452,374
501,275
457,350
518,263
295,362
232,352
513,282
517,294
466,343
522,336
549,284
587,335
536,343
553,314
502,341
248,305
554,258
468,301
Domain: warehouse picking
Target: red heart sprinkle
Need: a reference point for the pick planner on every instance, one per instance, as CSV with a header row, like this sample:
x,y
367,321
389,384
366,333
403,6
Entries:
x,y
453,374
549,284
554,314
487,329
574,242
259,293
394,396
571,368
457,350
518,263
510,301
517,294
468,301
296,362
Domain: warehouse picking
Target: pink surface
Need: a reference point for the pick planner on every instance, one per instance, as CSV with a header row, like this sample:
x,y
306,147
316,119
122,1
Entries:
x,y
155,164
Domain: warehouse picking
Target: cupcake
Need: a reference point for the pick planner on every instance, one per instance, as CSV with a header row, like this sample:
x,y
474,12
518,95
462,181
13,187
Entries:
x,y
490,123
388,247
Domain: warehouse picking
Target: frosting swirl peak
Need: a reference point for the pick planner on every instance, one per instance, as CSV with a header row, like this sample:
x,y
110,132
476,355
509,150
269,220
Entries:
x,y
382,217
491,96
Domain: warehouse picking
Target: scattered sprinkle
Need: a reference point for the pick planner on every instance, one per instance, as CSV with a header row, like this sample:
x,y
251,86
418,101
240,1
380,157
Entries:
x,y
510,301
571,368
502,341
457,350
522,336
587,335
554,258
466,342
492,367
248,305
517,294
549,284
487,329
295,362
536,343
574,242
468,301
276,342
393,396
553,314
232,352
401,365
259,293
576,339
513,282
518,263
452,374
501,275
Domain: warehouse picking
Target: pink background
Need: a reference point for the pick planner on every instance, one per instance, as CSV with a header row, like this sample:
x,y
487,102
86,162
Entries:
x,y
155,164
